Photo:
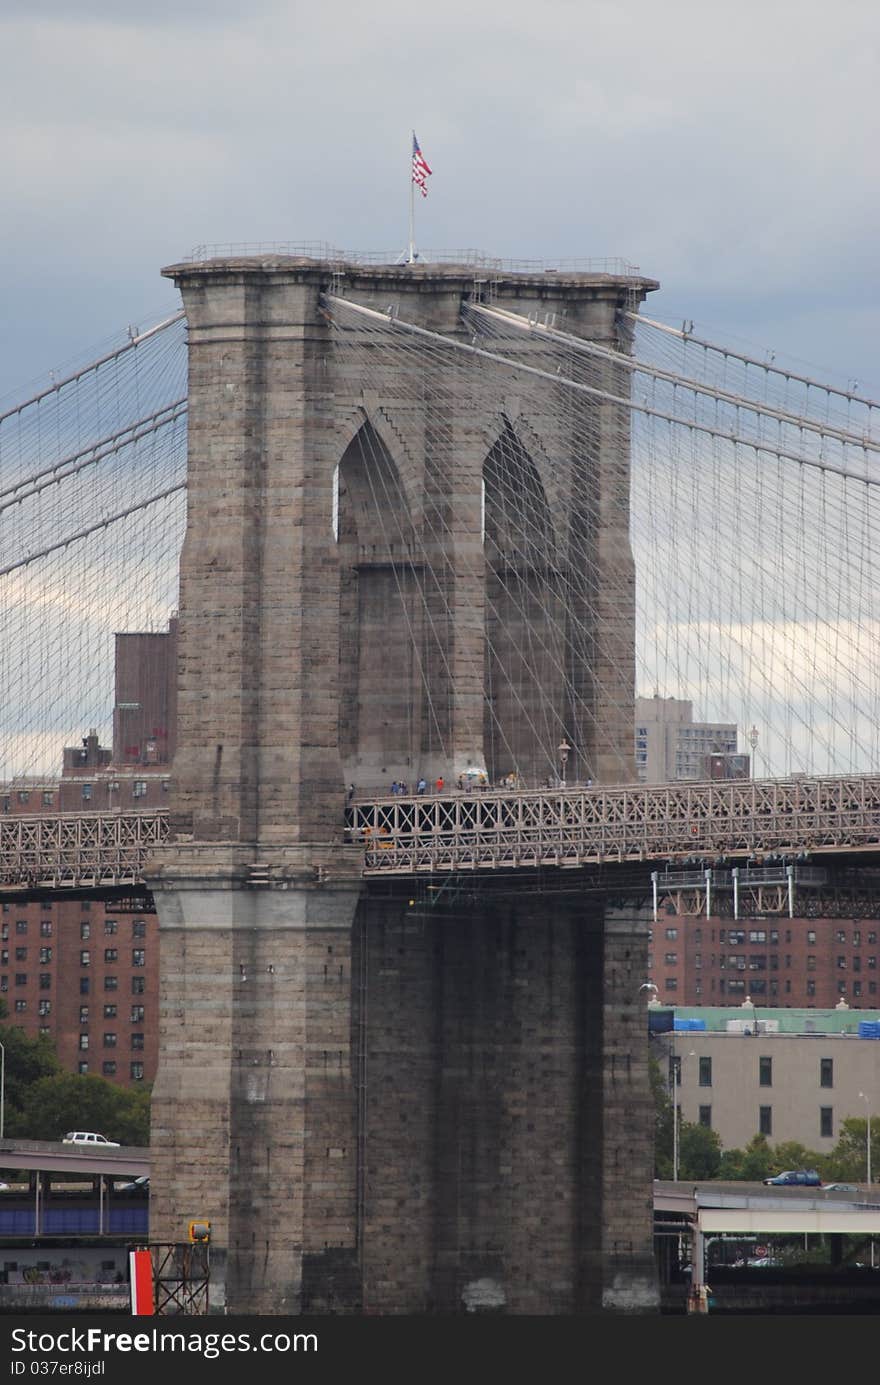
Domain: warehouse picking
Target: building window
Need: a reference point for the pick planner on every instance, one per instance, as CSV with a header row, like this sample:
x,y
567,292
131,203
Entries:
x,y
21,978
811,987
138,956
83,1041
698,935
138,985
672,935
765,1072
84,1014
856,963
671,959
23,796
841,964
137,1040
85,930
765,1120
86,792
706,1116
85,957
841,988
21,925
841,935
84,985
45,1007
110,1040
45,980
111,954
811,961
671,983
45,954
139,788
21,954
857,988
138,928
757,935
111,983
137,1014
857,937
45,928
826,1121
85,905
108,1068
82,1068
109,1012
4,983
137,1072
811,935
111,926
872,963
48,799
698,960
872,937
705,1078
20,1006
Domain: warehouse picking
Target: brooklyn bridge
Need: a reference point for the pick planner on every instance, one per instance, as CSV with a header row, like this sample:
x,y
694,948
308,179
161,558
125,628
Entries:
x,y
432,525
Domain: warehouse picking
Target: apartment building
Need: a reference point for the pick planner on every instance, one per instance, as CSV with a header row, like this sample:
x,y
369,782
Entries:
x,y
670,745
85,972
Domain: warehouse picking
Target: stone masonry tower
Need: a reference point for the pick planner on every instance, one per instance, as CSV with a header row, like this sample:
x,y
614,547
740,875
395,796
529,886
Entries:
x,y
305,650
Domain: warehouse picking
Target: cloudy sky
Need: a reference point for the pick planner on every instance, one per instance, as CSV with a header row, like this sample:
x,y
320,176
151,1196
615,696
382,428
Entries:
x,y
729,151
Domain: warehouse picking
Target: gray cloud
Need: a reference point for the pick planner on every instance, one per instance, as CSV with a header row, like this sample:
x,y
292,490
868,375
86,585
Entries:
x,y
727,153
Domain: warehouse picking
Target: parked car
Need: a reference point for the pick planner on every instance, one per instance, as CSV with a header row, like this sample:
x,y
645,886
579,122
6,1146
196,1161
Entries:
x,y
839,1188
89,1137
136,1185
795,1178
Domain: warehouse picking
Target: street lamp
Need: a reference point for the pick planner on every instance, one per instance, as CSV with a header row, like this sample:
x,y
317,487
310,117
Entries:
x,y
868,1141
562,749
753,741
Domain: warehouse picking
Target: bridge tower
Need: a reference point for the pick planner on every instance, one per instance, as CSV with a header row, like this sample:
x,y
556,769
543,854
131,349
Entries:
x,y
382,1106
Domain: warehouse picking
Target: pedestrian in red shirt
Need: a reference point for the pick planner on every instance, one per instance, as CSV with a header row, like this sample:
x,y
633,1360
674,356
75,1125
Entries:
x,y
439,784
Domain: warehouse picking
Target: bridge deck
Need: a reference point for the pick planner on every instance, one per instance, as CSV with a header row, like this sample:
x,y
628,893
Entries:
x,y
494,830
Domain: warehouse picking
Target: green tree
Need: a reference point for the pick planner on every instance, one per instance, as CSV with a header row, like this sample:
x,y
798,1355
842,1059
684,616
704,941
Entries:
x,y
848,1159
791,1154
68,1101
26,1061
757,1162
699,1151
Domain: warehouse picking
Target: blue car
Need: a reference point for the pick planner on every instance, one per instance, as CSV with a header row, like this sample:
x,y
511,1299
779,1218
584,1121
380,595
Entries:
x,y
795,1178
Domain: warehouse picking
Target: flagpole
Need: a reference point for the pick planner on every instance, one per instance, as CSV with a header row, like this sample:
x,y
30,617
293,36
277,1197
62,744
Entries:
x,y
412,206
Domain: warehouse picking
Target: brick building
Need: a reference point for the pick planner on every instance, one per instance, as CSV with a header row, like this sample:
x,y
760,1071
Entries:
x,y
85,972
778,961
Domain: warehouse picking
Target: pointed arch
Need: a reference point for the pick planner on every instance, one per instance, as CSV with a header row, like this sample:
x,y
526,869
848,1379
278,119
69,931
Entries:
x,y
381,622
524,664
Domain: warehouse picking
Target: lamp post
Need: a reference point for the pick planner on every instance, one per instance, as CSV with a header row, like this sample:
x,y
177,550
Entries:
x,y
753,741
676,1084
865,1099
562,749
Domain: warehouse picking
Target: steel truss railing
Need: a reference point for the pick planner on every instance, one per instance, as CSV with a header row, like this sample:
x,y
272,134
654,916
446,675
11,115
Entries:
x,y
494,830
78,850
573,827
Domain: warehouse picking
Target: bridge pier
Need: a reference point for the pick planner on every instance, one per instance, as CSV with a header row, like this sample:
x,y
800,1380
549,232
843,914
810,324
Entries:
x,y
400,1107
253,1112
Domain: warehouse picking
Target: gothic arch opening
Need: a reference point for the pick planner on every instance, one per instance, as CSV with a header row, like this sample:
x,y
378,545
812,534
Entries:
x,y
525,618
381,617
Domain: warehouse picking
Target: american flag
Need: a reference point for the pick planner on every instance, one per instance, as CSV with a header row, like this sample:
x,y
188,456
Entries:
x,y
420,169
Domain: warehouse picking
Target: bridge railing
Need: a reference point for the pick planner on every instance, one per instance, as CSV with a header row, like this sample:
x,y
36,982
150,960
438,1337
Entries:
x,y
628,823
77,850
